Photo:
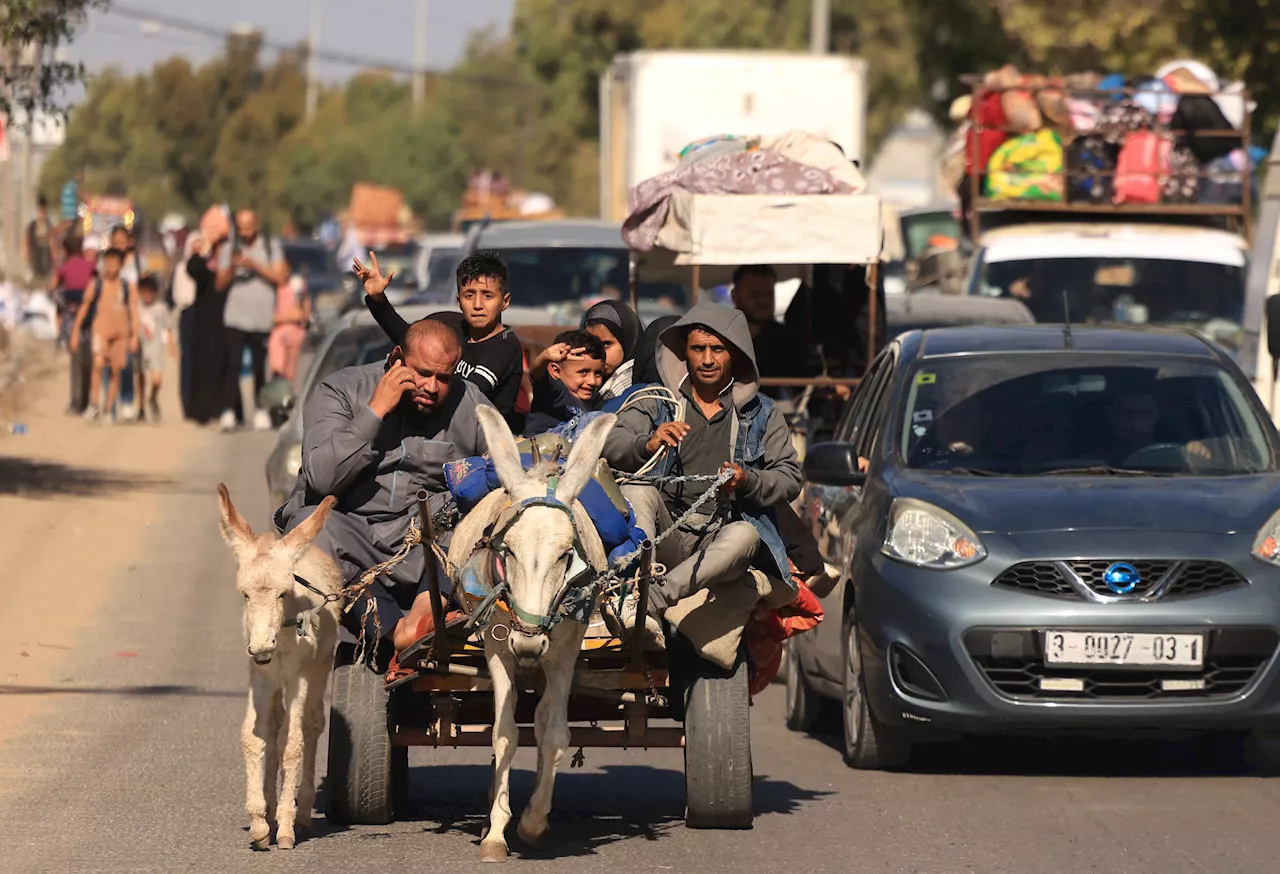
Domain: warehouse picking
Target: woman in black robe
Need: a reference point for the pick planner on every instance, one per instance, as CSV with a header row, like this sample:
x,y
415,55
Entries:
x,y
207,338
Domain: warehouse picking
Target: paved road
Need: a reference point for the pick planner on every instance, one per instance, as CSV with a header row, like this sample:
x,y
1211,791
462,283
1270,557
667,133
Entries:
x,y
127,760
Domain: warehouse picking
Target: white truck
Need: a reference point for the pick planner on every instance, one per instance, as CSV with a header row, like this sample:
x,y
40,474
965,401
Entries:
x,y
654,103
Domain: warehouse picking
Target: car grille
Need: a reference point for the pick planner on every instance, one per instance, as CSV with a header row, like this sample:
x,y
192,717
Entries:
x,y
1233,659
1045,577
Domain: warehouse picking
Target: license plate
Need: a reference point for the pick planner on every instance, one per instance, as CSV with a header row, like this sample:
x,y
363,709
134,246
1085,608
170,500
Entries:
x,y
1123,648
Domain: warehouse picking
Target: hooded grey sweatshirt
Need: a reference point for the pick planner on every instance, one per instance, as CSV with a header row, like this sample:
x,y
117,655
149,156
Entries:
x,y
710,442
375,467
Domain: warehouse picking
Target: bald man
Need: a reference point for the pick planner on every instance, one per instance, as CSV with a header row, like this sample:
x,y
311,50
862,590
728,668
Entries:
x,y
372,436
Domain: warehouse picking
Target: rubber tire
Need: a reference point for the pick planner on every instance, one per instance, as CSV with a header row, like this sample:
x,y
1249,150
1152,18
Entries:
x,y
803,704
869,744
360,781
718,775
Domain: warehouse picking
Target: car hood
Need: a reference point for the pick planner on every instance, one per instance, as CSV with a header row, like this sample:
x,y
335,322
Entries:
x,y
1015,505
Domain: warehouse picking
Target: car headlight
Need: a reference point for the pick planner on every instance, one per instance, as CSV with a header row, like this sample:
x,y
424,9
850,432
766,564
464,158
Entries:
x,y
293,460
926,536
1266,546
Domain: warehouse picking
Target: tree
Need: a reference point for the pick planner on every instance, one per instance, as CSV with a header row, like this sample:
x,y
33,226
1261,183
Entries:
x,y
27,27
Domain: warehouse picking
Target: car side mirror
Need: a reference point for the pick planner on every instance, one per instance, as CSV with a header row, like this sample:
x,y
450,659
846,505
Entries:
x,y
833,464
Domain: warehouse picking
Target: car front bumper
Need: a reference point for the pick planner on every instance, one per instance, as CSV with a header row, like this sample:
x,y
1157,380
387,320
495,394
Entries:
x,y
948,650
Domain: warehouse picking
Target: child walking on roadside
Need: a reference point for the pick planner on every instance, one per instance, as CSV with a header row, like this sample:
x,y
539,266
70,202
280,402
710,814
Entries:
x,y
154,326
113,309
293,311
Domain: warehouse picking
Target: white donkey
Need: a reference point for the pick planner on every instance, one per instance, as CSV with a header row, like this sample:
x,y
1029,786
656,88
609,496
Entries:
x,y
288,671
538,545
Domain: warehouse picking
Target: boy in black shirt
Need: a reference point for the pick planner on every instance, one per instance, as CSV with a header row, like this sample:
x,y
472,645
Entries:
x,y
566,376
492,357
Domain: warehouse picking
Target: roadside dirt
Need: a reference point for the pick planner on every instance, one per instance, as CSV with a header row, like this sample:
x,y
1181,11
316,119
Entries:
x,y
75,501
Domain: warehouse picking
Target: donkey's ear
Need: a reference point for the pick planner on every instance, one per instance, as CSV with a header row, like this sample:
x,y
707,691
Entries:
x,y
502,448
583,457
295,543
235,531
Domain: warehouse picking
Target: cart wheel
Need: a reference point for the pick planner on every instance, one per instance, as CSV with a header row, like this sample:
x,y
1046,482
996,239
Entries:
x,y
361,781
717,751
803,703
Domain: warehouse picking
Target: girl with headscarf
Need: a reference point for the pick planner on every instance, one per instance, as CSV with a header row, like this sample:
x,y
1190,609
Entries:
x,y
618,328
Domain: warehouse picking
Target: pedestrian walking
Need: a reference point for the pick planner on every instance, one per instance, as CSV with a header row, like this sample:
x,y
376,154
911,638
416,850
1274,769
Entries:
x,y
182,290
69,284
293,312
257,272
113,307
206,345
39,245
155,339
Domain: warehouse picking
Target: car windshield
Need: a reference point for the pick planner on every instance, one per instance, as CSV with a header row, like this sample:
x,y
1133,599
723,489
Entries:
x,y
441,266
1044,414
556,275
1205,297
399,261
919,229
363,344
309,259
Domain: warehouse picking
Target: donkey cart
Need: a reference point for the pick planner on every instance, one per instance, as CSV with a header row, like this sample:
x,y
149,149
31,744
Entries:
x,y
442,696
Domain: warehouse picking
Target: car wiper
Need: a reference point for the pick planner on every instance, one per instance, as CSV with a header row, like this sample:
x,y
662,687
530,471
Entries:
x,y
974,471
1103,470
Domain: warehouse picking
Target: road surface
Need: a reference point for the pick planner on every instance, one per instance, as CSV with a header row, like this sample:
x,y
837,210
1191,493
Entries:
x,y
122,674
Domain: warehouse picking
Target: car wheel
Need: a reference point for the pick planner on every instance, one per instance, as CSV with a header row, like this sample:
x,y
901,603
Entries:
x,y
869,744
802,701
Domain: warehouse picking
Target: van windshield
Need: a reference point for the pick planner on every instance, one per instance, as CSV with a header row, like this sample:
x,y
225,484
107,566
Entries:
x,y
1030,414
1206,297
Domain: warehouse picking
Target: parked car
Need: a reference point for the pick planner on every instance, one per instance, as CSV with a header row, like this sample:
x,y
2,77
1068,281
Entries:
x,y
438,257
927,308
559,268
401,261
1055,530
329,294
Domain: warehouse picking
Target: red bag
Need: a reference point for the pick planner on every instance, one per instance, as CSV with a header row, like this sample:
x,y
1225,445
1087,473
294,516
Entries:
x,y
1141,166
988,112
767,629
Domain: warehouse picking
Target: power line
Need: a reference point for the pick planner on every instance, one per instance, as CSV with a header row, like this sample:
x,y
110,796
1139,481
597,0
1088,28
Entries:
x,y
186,25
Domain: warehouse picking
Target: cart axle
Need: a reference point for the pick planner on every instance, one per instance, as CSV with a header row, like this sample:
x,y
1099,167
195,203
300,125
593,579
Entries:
x,y
579,736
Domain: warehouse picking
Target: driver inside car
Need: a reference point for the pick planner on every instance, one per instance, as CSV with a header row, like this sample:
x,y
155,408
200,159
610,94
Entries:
x,y
1129,426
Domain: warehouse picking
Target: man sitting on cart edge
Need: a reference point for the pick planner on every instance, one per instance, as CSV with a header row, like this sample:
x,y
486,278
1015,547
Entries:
x,y
707,359
373,435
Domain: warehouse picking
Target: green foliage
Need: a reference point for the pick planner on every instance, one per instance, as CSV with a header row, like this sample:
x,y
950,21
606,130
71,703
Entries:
x,y
27,80
528,105
180,139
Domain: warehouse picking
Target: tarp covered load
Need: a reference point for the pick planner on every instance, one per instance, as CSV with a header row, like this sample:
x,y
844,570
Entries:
x,y
734,201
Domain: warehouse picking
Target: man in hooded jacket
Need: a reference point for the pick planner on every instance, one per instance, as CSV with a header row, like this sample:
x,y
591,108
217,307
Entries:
x,y
708,360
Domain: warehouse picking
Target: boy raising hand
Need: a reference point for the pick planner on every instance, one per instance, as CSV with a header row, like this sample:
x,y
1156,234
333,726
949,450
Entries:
x,y
492,357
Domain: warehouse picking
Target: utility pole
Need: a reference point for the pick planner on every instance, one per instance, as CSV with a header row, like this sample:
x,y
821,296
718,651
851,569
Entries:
x,y
313,61
25,194
419,54
820,27
9,256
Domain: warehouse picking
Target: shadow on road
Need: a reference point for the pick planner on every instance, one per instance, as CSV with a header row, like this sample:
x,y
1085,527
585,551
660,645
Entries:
x,y
124,691
1133,754
589,811
29,478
